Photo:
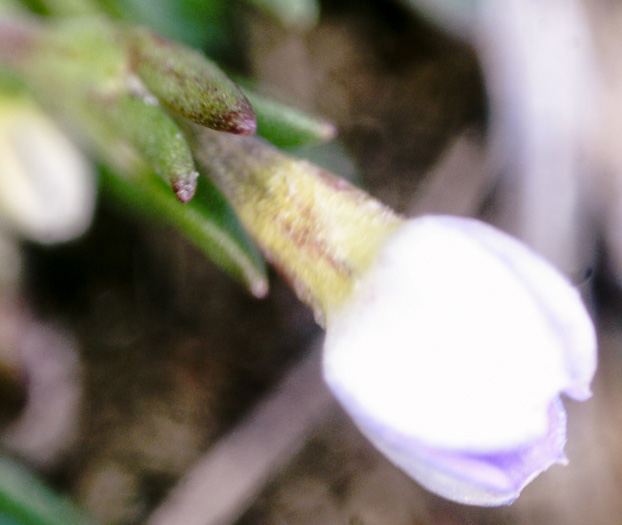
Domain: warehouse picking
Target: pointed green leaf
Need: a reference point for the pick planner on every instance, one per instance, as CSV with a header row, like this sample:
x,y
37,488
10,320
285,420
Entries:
x,y
189,84
155,136
287,127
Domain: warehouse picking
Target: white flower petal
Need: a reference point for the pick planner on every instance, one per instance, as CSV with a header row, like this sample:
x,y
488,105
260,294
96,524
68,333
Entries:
x,y
451,340
47,187
474,479
559,301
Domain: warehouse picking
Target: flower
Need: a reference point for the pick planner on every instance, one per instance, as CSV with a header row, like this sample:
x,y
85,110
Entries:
x,y
47,187
452,354
448,342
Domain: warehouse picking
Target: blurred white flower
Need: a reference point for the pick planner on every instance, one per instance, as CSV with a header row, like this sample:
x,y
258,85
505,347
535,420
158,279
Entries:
x,y
47,187
453,353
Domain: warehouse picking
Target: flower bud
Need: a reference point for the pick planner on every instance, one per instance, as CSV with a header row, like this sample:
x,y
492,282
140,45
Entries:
x,y
47,187
453,353
448,342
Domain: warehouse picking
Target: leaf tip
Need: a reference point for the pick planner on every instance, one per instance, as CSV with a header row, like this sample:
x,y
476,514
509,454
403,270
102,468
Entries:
x,y
240,122
185,187
327,131
259,288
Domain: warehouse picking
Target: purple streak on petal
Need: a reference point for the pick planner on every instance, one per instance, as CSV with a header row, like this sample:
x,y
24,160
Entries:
x,y
520,466
490,479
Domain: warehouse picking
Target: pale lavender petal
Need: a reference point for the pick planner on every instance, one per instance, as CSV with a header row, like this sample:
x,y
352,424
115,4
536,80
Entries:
x,y
560,302
453,355
443,325
485,479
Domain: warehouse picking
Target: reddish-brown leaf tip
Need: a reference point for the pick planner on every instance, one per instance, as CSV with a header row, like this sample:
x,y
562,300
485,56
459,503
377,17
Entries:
x,y
185,188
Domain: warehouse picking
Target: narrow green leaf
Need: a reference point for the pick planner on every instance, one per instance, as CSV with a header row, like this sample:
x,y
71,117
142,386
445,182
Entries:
x,y
155,136
26,500
207,221
287,127
189,84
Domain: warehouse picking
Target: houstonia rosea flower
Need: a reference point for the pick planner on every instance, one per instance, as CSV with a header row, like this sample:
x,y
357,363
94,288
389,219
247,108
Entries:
x,y
452,356
448,342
